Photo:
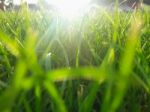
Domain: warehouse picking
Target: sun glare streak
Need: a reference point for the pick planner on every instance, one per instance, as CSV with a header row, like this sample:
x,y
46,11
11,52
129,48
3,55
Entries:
x,y
70,8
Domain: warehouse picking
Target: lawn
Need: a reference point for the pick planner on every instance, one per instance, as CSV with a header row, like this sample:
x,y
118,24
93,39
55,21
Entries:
x,y
99,62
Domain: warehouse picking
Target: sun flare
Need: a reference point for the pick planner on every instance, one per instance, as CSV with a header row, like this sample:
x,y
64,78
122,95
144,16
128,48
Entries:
x,y
70,8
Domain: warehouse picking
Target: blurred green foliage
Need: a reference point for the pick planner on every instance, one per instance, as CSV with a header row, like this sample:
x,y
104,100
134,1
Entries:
x,y
100,62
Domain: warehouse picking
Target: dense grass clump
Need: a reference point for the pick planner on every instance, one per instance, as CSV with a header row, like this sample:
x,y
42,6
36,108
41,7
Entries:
x,y
100,62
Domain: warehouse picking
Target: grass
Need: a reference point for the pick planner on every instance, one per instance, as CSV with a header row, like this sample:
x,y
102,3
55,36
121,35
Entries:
x,y
100,62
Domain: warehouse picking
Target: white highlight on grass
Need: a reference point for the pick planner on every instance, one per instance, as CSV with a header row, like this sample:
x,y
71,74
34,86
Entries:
x,y
48,62
70,8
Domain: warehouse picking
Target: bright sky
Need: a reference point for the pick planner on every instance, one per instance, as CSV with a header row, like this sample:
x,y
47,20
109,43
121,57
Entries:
x,y
29,1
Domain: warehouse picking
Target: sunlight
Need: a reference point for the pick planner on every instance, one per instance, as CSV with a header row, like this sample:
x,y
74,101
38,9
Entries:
x,y
70,8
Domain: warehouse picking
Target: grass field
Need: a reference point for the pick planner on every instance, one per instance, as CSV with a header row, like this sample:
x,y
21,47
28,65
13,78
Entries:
x,y
97,63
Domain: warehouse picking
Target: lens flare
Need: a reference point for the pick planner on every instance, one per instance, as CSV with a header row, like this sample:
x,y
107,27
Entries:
x,y
70,8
